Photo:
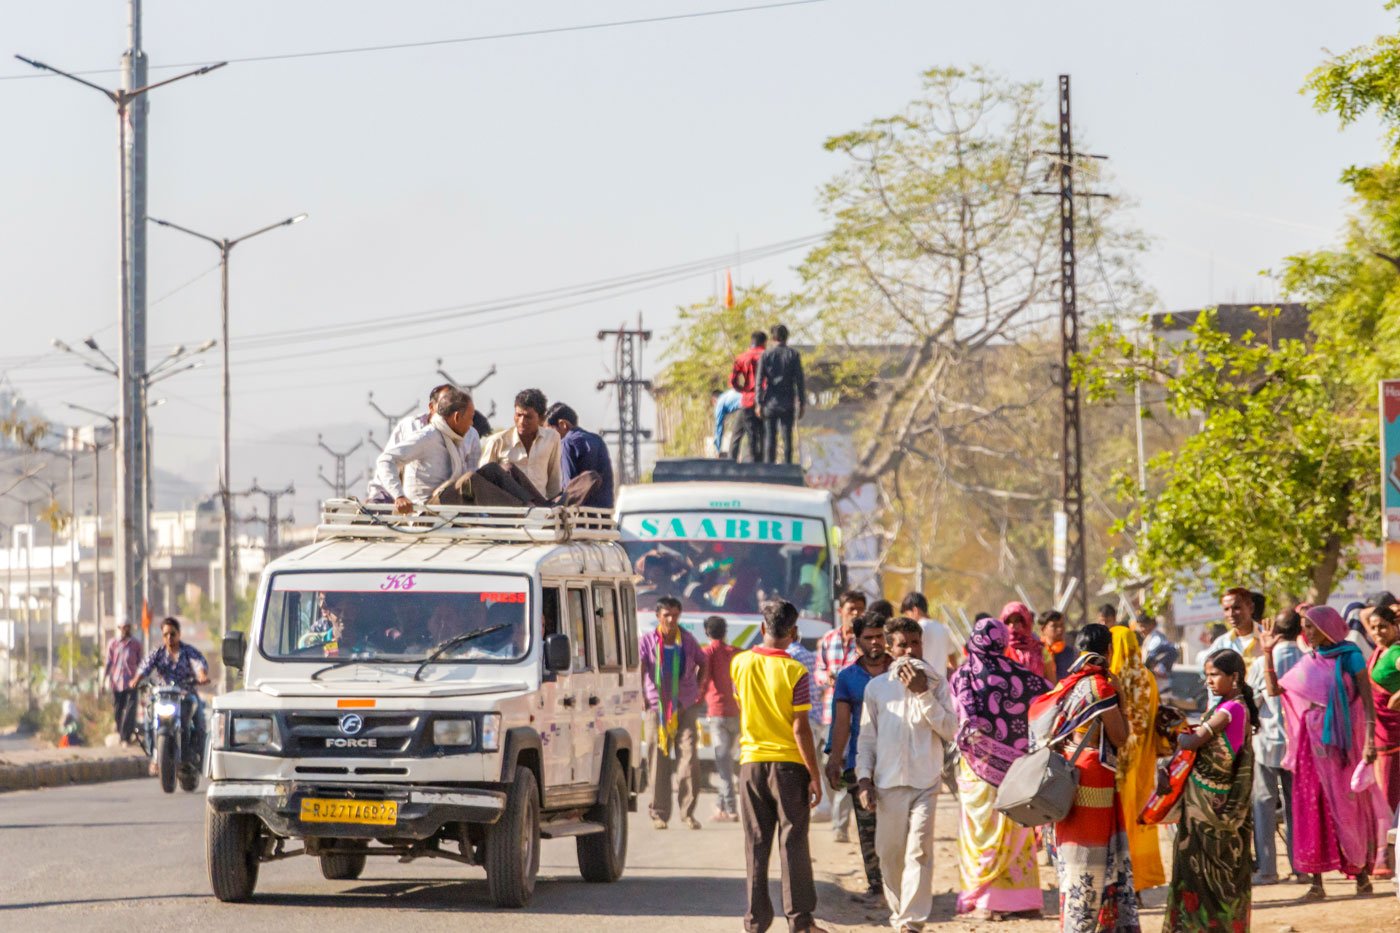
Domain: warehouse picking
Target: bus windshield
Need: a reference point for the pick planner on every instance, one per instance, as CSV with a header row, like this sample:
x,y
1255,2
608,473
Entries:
x,y
396,616
728,564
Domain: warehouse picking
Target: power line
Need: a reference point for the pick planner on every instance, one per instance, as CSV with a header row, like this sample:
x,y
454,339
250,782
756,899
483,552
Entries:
x,y
460,40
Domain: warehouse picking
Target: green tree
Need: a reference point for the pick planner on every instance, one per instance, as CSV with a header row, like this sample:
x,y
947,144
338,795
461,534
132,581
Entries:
x,y
1277,483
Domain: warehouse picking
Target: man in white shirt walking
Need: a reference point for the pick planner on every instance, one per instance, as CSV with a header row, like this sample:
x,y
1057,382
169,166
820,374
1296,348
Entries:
x,y
408,472
523,444
907,717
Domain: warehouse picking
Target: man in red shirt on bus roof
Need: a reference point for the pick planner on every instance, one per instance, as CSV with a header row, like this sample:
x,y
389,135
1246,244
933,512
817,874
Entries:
x,y
744,378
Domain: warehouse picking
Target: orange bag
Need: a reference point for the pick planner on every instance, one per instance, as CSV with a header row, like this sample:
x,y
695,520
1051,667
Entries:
x,y
1162,808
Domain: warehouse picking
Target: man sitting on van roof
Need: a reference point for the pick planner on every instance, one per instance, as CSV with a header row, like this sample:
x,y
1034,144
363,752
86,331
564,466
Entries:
x,y
581,451
446,448
524,445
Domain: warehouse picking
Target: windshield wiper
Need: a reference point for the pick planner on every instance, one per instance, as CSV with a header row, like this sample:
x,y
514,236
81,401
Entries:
x,y
456,640
334,664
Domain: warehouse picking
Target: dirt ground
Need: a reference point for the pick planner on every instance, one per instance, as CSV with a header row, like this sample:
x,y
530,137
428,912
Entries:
x,y
1276,907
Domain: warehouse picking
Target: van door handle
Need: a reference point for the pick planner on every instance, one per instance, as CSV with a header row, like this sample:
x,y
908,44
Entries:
x,y
592,701
568,701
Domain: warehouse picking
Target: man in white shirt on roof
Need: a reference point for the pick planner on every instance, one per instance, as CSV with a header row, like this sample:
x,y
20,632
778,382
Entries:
x,y
447,447
412,424
526,446
906,718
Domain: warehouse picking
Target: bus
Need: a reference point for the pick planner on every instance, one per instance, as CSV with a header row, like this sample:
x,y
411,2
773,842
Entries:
x,y
723,537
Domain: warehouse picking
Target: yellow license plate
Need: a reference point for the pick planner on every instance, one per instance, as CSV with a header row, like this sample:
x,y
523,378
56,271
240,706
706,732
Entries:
x,y
371,812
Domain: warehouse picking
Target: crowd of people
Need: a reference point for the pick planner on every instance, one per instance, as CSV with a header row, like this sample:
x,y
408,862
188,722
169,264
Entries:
x,y
1299,739
767,393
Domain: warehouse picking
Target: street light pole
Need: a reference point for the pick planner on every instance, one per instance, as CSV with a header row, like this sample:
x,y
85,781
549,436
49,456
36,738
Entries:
x,y
225,246
131,504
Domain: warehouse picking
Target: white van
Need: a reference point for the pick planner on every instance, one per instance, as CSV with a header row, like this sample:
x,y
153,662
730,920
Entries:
x,y
456,684
722,537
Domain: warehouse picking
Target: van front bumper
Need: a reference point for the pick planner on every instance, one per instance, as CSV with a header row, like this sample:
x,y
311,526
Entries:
x,y
422,810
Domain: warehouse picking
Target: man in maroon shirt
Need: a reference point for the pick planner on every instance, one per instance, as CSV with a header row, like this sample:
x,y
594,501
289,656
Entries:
x,y
744,378
722,710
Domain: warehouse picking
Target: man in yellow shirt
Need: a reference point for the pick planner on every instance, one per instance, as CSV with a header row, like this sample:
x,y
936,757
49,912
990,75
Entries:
x,y
778,774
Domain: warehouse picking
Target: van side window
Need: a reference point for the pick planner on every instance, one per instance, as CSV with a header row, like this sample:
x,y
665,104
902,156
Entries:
x,y
578,628
630,642
549,611
605,626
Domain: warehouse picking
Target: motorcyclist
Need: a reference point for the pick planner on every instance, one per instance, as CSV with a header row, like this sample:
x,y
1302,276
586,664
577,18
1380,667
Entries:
x,y
182,665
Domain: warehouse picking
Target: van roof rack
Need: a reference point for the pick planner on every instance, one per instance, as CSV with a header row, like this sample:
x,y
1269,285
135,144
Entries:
x,y
350,518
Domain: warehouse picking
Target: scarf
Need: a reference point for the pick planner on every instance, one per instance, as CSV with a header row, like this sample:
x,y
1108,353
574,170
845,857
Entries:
x,y
453,440
1083,696
993,694
1348,659
1024,646
668,694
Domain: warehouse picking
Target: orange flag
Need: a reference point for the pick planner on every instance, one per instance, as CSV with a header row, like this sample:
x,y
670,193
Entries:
x,y
728,290
145,620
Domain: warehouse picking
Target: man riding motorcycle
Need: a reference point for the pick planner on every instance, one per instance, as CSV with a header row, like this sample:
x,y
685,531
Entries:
x,y
183,666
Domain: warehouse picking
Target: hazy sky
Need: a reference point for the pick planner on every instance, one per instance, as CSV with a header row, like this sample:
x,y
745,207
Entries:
x,y
438,177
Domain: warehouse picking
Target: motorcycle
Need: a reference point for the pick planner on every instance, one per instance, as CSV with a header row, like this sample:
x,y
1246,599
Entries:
x,y
172,737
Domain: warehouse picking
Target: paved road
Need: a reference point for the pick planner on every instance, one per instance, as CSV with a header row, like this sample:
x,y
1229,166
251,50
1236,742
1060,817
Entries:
x,y
125,856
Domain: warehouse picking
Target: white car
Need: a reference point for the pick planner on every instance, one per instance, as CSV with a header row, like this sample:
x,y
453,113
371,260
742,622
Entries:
x,y
455,684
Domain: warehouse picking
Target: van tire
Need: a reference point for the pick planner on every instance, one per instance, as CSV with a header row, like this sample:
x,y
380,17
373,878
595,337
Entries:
x,y
231,853
513,844
603,856
342,866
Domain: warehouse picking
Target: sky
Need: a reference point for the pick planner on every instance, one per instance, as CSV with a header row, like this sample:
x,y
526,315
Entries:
x,y
456,175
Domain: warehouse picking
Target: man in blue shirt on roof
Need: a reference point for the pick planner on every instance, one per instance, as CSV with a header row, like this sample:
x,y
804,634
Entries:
x,y
846,704
580,451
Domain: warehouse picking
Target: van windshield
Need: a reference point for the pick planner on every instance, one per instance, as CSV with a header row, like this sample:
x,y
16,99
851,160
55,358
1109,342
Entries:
x,y
727,563
396,616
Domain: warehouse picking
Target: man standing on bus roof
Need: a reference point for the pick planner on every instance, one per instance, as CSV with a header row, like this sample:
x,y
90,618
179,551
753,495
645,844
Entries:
x,y
579,452
744,379
781,394
523,444
673,669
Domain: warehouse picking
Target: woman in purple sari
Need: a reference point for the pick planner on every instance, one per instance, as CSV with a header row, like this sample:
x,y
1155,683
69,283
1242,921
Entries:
x,y
1331,723
996,857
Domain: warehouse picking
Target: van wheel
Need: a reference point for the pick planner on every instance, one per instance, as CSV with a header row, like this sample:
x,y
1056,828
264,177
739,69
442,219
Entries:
x,y
513,844
231,853
342,866
603,856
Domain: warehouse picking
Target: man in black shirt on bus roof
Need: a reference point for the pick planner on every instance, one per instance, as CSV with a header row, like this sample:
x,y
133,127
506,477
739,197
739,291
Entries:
x,y
780,394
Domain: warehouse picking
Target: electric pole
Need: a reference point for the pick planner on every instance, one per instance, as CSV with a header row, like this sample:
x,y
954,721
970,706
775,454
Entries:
x,y
1069,522
133,505
391,420
629,431
339,483
272,543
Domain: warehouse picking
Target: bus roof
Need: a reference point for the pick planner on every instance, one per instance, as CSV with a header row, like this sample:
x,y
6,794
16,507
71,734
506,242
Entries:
x,y
718,497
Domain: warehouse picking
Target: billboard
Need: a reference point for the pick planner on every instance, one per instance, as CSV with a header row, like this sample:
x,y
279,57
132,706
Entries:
x,y
1390,479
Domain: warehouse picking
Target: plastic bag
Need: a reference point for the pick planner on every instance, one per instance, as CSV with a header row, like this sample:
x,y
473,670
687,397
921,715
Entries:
x,y
1363,778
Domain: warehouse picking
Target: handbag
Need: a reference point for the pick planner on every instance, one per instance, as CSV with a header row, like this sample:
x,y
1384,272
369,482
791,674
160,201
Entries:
x,y
1039,787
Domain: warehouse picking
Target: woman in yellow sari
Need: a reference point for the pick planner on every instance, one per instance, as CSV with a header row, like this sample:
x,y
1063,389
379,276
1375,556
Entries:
x,y
1137,759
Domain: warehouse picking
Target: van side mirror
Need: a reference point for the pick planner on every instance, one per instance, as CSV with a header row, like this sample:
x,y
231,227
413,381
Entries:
x,y
843,577
235,648
558,653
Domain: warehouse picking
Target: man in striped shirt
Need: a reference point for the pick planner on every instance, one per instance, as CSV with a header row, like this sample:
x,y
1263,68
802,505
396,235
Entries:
x,y
123,658
835,652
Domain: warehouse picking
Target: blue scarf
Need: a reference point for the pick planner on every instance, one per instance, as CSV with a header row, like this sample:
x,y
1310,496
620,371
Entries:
x,y
1336,722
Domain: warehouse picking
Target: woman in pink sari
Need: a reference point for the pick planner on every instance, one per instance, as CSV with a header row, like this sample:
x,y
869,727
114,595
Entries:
x,y
1331,723
1024,645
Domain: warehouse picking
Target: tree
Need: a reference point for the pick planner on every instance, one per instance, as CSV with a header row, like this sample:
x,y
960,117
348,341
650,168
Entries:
x,y
1274,488
940,247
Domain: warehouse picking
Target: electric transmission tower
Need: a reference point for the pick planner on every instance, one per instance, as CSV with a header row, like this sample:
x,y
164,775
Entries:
x,y
391,420
339,484
272,538
629,431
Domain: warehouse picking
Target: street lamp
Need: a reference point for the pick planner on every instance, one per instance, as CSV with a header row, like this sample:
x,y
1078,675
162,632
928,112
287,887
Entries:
x,y
170,365
225,246
97,513
133,349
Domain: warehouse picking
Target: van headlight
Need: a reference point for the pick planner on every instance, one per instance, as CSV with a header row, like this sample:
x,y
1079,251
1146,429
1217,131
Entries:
x,y
491,732
218,724
252,730
453,731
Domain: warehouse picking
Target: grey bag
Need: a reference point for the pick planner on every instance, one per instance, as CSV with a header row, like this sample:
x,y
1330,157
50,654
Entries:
x,y
1039,787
